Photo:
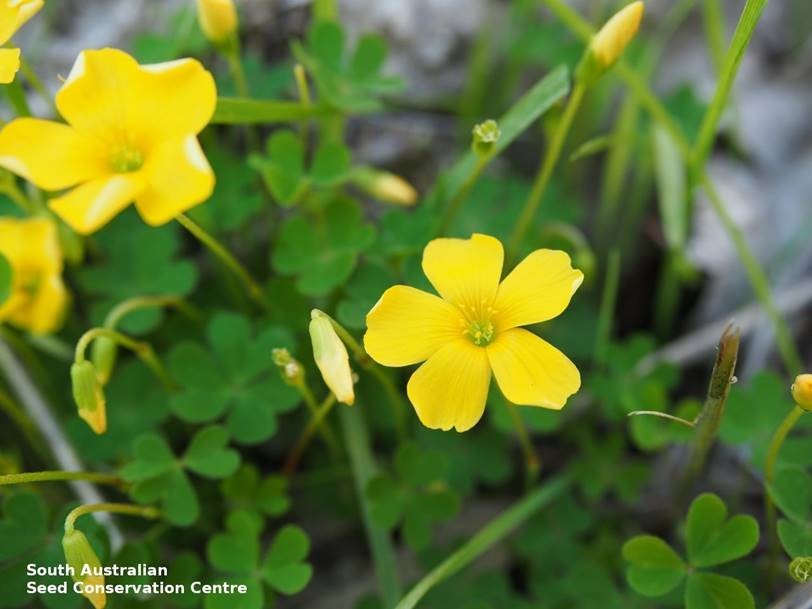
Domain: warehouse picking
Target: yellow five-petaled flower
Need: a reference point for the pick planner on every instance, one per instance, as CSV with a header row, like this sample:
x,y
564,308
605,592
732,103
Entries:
x,y
474,329
37,297
131,136
13,15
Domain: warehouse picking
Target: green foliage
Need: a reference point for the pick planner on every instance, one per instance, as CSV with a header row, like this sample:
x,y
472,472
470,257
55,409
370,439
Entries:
x,y
237,552
233,376
711,539
416,498
6,277
157,475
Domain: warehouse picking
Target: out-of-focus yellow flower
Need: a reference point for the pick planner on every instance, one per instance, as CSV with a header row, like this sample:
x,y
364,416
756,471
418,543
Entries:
x,y
802,391
613,38
473,330
386,186
13,15
78,553
131,136
218,19
38,295
331,357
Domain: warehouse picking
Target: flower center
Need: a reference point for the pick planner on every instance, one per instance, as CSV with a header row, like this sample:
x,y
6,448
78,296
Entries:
x,y
126,159
480,332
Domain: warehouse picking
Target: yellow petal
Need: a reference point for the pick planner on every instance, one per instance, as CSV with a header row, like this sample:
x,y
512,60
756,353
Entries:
x,y
46,311
407,326
14,14
450,388
530,371
178,177
51,155
465,272
9,64
538,289
109,94
90,206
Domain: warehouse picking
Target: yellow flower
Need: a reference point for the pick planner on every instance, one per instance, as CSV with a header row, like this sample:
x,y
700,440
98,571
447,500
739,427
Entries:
x,y
131,136
613,38
473,330
218,19
13,15
331,357
802,391
38,296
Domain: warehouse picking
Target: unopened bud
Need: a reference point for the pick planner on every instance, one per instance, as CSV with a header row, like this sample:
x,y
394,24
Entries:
x,y
218,19
331,357
802,391
485,136
78,555
385,186
609,43
103,355
800,569
89,395
291,369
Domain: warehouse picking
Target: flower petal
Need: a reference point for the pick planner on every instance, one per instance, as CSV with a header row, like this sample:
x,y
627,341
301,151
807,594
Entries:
x,y
530,371
51,155
90,206
9,64
538,289
178,177
465,272
407,326
46,311
13,15
451,387
108,93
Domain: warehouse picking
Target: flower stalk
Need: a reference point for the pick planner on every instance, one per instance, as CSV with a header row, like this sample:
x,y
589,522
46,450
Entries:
x,y
56,476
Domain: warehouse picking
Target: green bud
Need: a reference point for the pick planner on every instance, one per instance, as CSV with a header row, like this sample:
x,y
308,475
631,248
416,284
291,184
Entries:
x,y
89,395
800,569
78,554
291,369
103,355
331,357
485,136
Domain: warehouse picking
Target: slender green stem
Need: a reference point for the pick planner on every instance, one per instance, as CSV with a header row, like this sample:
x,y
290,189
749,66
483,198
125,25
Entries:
x,y
462,194
713,19
490,534
607,308
364,469
769,477
125,307
532,462
545,172
303,88
142,349
758,280
16,413
314,408
8,186
668,295
709,419
16,95
314,424
54,476
36,84
219,250
129,509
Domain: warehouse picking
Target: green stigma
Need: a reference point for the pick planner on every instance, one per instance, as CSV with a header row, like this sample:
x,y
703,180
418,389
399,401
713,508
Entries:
x,y
480,332
126,160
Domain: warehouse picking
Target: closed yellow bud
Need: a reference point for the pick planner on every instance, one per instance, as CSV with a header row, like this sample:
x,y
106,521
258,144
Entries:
x,y
331,357
385,186
78,554
218,19
89,395
610,42
802,391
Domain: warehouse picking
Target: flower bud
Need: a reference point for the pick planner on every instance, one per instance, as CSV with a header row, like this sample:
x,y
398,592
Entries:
x,y
331,357
103,355
218,19
291,369
385,186
89,395
78,553
485,136
609,43
802,391
800,569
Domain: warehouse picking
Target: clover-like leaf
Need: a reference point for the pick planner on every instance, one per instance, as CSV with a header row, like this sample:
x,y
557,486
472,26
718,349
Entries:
x,y
246,490
655,568
208,454
713,539
23,525
284,568
237,550
791,490
152,458
711,591
796,537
